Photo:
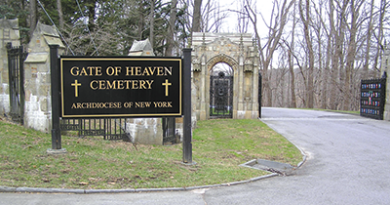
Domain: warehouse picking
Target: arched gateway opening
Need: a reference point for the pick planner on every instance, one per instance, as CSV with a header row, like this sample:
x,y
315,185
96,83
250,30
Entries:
x,y
221,91
225,76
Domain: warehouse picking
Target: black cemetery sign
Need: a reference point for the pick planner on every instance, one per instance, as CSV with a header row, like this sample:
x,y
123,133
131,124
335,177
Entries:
x,y
121,87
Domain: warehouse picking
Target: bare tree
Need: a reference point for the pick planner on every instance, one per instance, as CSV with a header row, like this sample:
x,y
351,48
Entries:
x,y
380,45
212,16
305,17
196,18
351,52
171,29
242,25
275,30
370,27
151,19
33,16
318,27
293,102
60,14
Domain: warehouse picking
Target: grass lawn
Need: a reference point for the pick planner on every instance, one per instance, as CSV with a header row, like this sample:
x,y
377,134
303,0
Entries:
x,y
219,146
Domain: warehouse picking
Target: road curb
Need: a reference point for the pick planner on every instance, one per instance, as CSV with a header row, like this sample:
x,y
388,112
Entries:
x,y
111,191
304,156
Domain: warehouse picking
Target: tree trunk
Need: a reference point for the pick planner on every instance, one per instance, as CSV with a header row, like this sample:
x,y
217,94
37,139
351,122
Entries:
x,y
171,29
60,14
293,102
305,17
334,59
91,15
380,46
151,33
338,56
33,16
368,42
196,18
355,9
326,86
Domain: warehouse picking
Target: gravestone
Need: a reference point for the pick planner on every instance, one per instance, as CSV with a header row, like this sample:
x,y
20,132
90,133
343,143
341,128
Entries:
x,y
37,84
9,33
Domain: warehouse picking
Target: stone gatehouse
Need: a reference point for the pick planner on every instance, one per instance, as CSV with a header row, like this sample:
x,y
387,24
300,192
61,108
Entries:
x,y
240,54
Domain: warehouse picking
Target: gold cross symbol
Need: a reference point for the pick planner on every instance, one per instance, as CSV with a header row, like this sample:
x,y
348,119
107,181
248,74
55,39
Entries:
x,y
76,85
166,84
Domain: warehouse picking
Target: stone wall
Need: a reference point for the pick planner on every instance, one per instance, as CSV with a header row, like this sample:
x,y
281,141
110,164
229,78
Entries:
x,y
385,67
9,33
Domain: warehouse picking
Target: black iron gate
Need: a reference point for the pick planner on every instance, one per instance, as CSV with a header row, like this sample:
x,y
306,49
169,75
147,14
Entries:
x,y
373,97
16,57
221,96
108,128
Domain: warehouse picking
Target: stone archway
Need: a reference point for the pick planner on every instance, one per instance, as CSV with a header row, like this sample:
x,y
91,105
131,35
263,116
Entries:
x,y
240,53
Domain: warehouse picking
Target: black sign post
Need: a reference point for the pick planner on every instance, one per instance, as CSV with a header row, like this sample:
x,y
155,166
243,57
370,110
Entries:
x,y
187,129
56,146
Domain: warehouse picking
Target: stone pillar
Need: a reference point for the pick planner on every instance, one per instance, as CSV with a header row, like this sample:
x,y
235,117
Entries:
x,y
385,67
37,110
202,88
9,33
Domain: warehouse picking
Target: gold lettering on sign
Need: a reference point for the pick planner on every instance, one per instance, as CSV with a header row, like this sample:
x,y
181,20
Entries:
x,y
147,71
86,71
162,104
97,105
142,104
121,84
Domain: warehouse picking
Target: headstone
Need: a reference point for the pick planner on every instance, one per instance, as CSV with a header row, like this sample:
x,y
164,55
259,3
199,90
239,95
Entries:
x,y
9,33
37,84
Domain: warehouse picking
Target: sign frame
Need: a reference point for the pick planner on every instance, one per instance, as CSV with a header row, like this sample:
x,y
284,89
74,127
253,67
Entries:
x,y
176,109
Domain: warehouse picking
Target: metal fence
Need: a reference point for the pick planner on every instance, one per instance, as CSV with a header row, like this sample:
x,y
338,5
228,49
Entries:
x,y
16,57
107,128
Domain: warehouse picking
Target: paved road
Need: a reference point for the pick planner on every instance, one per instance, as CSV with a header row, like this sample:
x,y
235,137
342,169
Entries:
x,y
348,163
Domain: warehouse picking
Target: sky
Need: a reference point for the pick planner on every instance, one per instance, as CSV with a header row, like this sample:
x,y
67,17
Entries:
x,y
230,23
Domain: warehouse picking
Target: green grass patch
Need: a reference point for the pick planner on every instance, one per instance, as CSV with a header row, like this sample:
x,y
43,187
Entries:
x,y
219,146
215,112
